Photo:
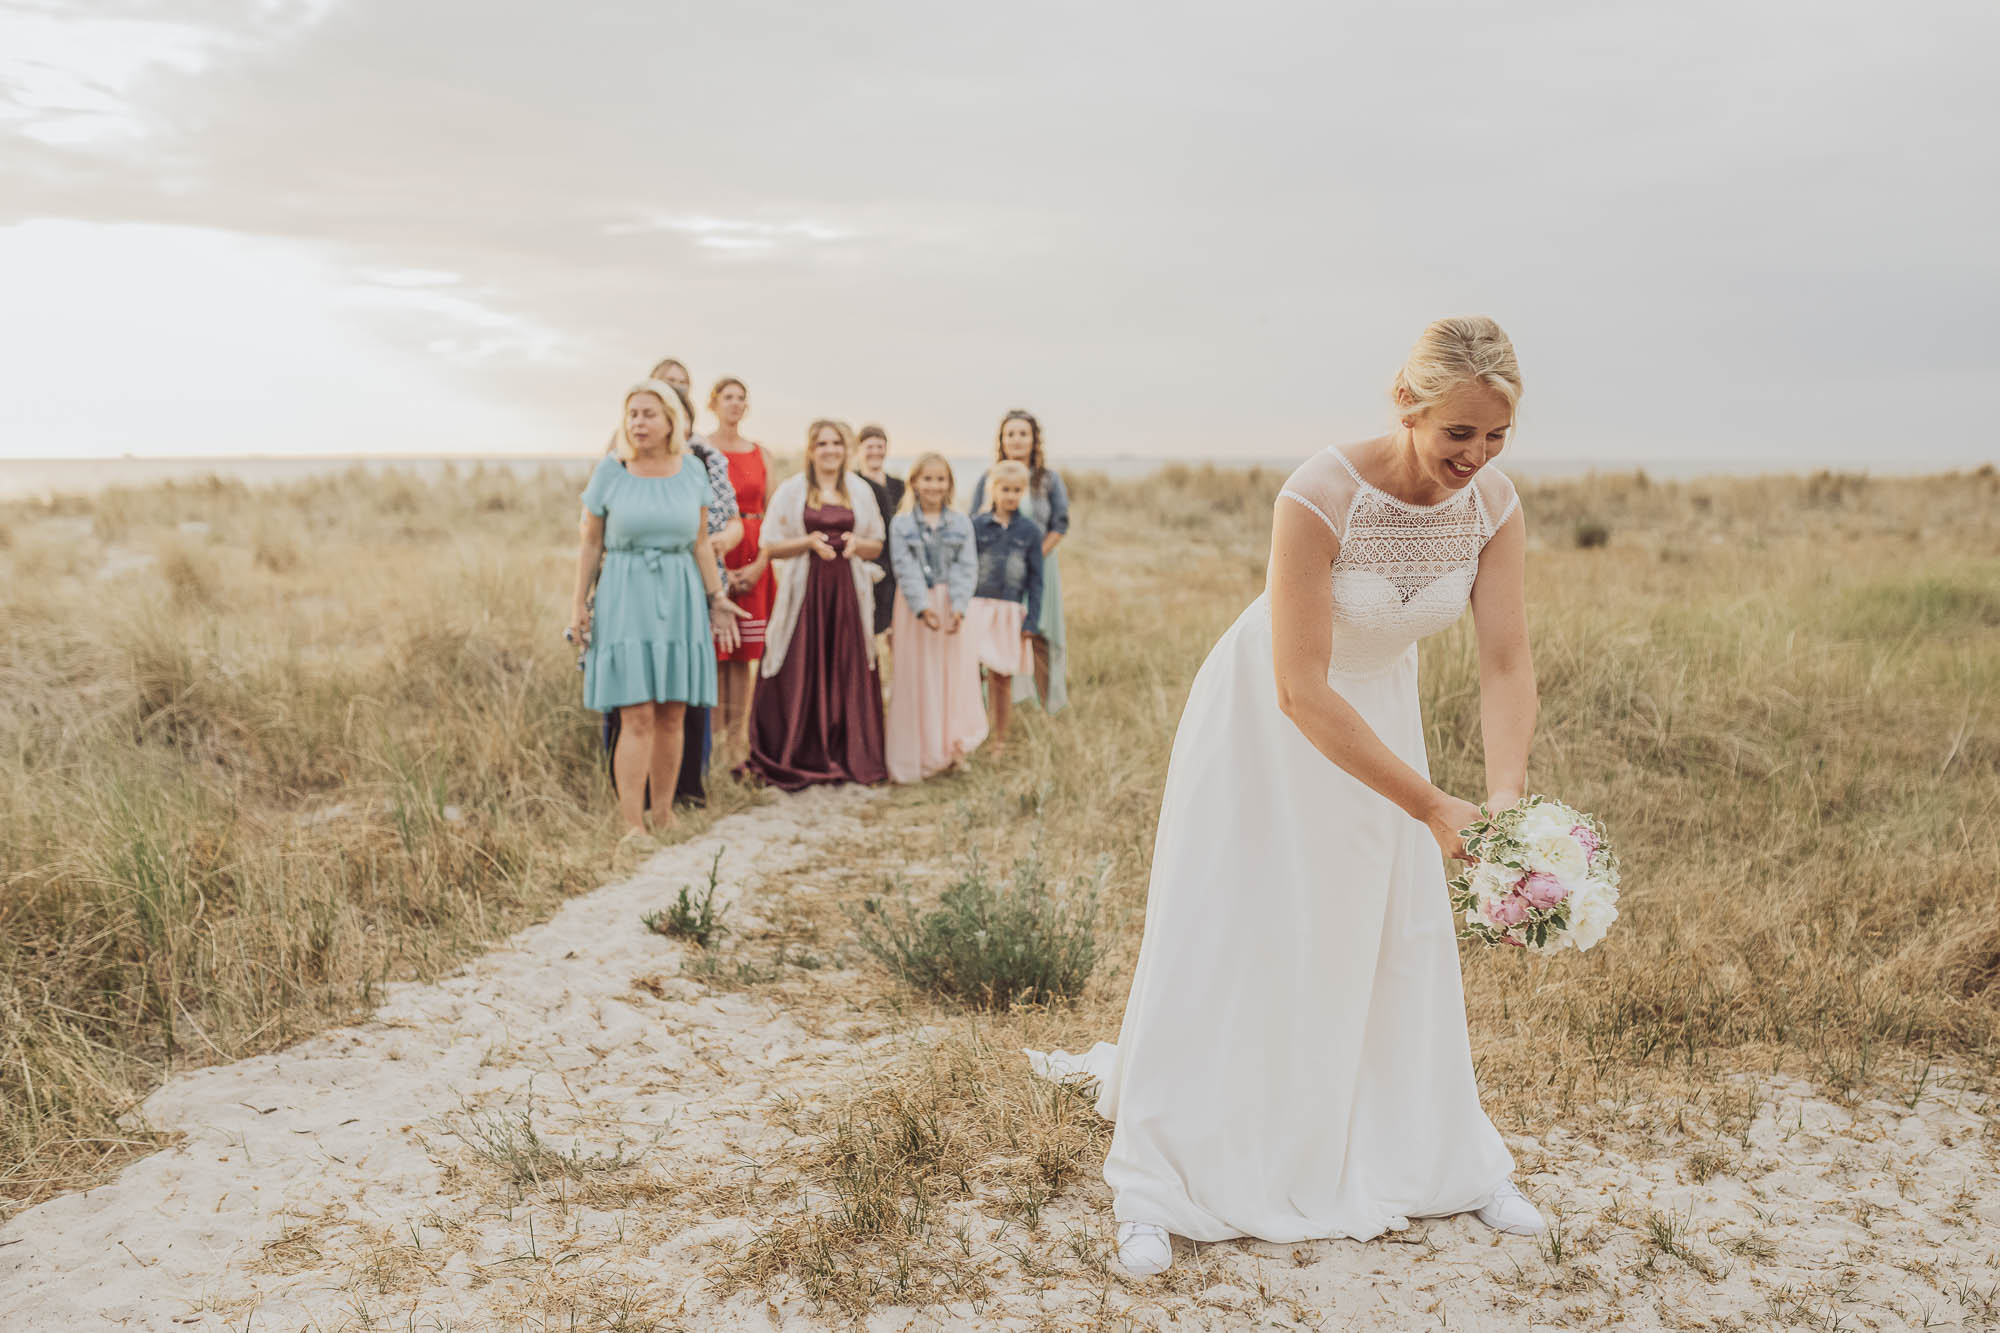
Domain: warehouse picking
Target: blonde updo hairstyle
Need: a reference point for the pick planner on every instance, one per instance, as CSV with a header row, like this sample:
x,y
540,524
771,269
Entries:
x,y
1466,349
670,403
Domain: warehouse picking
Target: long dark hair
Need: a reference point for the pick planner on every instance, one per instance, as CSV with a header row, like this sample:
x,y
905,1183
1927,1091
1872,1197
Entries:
x,y
1038,472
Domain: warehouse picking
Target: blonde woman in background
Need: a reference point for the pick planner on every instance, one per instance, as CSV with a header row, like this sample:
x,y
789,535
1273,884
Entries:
x,y
671,371
818,713
725,531
660,607
725,534
1294,1063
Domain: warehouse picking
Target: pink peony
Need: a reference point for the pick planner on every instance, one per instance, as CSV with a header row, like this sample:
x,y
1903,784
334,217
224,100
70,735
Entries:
x,y
1588,841
1543,890
1509,911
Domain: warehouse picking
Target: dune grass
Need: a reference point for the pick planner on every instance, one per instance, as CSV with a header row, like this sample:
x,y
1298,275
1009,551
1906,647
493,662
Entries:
x,y
1782,694
262,751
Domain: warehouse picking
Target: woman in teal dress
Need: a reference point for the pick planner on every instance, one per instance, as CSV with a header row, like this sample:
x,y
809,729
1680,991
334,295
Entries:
x,y
660,607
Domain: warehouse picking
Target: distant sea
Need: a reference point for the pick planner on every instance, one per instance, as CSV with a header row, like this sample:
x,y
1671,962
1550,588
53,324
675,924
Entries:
x,y
40,477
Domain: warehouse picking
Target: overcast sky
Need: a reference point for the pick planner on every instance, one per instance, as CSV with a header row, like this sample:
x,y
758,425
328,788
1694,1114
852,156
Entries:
x,y
1715,229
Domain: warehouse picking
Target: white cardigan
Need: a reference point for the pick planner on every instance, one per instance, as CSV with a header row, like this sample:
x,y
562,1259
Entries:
x,y
785,520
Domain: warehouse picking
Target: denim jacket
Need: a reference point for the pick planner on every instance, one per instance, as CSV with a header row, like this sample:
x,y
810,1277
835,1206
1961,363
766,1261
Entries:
x,y
1010,561
924,557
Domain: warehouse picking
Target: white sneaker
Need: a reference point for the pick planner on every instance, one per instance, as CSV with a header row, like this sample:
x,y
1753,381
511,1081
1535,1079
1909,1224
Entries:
x,y
1143,1249
1509,1211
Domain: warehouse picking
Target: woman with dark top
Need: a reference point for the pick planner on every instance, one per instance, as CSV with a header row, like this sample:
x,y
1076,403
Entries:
x,y
873,469
817,716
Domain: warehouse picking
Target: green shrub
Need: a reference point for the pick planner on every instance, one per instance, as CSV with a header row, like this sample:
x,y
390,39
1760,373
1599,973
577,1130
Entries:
x,y
689,919
991,943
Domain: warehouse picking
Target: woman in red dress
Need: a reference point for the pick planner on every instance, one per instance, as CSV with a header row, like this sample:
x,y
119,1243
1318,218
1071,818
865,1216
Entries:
x,y
751,584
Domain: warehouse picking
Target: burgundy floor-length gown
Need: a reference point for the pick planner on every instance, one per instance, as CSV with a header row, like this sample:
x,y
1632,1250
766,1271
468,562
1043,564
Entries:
x,y
820,718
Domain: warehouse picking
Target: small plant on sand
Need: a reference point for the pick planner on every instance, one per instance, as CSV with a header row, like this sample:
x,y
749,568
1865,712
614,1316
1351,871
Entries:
x,y
689,918
991,943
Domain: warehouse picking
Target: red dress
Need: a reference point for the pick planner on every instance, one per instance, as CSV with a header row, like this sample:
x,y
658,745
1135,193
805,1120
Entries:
x,y
747,475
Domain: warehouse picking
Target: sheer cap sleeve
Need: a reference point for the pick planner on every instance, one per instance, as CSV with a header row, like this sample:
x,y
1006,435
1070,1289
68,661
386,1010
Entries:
x,y
1324,488
1498,499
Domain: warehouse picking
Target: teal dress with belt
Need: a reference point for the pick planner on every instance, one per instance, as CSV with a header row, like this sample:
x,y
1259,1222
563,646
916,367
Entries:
x,y
649,634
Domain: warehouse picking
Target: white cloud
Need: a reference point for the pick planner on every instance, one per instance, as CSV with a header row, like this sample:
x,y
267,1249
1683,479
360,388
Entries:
x,y
739,235
78,80
159,340
479,333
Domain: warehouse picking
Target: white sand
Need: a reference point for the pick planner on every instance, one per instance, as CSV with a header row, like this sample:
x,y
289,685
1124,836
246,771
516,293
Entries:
x,y
341,1184
348,1138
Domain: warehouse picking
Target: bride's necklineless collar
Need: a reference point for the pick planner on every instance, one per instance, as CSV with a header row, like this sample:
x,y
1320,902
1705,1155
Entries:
x,y
1396,500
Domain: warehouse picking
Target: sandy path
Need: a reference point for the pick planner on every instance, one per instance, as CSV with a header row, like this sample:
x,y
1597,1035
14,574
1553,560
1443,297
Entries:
x,y
364,1175
558,1138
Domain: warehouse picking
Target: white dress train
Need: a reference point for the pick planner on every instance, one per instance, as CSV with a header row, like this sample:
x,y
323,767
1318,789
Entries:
x,y
1294,1063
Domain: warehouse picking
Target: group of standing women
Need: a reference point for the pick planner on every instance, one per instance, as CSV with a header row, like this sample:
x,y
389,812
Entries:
x,y
725,615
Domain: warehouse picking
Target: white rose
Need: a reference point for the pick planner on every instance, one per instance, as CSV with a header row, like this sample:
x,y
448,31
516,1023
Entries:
x,y
1542,821
1560,854
1592,908
1491,881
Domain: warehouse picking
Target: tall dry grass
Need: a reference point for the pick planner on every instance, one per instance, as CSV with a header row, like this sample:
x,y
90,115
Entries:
x,y
260,752
1784,696
263,750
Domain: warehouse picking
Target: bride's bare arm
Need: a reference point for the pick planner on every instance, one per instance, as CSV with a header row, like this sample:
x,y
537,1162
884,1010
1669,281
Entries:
x,y
1508,702
1302,554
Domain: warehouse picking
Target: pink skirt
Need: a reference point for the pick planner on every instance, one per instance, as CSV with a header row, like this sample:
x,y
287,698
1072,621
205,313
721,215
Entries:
x,y
937,710
994,627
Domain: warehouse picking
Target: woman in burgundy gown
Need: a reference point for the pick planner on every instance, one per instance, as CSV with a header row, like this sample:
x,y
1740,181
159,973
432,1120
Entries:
x,y
817,714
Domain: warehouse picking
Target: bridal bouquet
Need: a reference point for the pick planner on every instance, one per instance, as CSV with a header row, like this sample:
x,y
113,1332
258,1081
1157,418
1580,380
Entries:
x,y
1547,878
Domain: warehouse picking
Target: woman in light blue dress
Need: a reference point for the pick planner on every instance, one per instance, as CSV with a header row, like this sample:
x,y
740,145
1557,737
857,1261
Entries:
x,y
660,607
1047,502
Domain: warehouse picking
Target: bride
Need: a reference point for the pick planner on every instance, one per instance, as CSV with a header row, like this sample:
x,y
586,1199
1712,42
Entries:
x,y
1293,1063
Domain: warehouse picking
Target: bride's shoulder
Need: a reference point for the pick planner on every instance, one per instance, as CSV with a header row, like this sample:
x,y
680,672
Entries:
x,y
1323,484
1497,495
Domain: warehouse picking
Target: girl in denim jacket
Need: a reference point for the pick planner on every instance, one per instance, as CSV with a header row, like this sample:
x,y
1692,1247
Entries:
x,y
1007,600
935,714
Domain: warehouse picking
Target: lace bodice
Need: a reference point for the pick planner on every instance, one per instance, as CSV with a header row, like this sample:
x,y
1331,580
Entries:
x,y
1404,571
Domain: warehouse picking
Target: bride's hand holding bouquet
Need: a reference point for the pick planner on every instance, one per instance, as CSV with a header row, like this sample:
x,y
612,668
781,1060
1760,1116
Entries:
x,y
1543,876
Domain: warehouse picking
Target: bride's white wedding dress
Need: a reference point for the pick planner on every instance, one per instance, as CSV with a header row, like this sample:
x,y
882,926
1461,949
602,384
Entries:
x,y
1293,1063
